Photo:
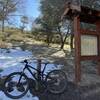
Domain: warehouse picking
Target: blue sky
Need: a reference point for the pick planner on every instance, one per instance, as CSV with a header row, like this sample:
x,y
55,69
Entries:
x,y
31,10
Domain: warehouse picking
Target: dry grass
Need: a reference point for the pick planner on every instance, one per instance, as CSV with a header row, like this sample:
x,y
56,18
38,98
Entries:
x,y
16,37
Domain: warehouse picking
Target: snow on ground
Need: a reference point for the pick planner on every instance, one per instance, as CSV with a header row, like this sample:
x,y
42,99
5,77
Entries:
x,y
59,54
27,97
12,58
10,62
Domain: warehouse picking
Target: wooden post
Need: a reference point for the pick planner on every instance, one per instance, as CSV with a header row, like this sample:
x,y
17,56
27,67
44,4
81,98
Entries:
x,y
98,30
77,49
39,68
38,73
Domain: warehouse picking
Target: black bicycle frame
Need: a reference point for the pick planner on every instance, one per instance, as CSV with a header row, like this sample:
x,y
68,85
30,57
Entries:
x,y
41,73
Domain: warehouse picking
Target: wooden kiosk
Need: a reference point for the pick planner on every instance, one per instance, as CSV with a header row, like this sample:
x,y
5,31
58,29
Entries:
x,y
87,42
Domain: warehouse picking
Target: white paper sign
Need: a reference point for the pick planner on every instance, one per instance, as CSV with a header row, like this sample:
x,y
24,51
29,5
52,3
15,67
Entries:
x,y
89,45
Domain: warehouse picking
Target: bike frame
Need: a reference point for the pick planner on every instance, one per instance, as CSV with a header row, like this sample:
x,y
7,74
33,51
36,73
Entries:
x,y
41,73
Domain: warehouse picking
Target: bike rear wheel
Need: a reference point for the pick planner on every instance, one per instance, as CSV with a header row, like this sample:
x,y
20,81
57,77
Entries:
x,y
16,85
56,81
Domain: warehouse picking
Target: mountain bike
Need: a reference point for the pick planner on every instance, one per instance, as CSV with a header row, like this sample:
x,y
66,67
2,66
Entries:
x,y
17,84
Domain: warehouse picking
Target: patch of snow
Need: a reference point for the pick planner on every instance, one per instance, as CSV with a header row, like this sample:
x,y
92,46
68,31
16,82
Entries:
x,y
59,54
13,58
10,62
26,97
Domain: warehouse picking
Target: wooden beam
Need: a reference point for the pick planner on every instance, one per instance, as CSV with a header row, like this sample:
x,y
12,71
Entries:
x,y
98,30
88,32
70,7
96,58
65,12
86,14
77,49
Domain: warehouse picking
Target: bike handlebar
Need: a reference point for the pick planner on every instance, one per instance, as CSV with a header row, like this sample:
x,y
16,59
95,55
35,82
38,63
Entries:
x,y
36,61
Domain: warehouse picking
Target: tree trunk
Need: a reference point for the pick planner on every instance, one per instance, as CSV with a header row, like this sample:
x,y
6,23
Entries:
x,y
48,39
63,43
71,42
3,25
63,40
3,19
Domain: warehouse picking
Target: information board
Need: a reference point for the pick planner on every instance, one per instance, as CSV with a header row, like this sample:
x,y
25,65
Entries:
x,y
89,45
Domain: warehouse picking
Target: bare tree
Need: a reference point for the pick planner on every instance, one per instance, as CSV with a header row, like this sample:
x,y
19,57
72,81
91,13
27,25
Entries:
x,y
24,21
7,8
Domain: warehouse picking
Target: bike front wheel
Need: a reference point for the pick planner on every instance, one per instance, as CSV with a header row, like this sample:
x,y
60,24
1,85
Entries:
x,y
16,85
56,81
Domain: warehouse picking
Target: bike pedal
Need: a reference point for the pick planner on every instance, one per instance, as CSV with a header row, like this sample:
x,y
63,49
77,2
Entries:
x,y
21,89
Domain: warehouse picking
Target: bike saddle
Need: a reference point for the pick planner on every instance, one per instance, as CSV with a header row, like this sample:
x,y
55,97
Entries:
x,y
25,61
